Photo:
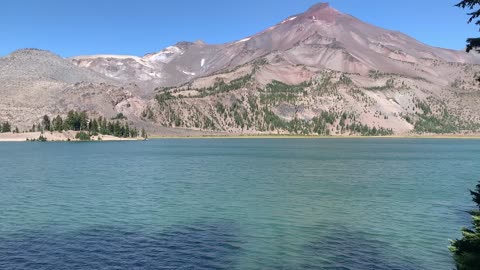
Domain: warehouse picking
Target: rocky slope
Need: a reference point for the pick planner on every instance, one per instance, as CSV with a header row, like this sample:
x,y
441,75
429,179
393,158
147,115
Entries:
x,y
35,82
319,72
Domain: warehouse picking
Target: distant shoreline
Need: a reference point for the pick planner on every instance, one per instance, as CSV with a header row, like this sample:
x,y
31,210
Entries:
x,y
69,136
468,137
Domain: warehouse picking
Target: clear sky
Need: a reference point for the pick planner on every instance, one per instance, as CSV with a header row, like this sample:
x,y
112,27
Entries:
x,y
137,27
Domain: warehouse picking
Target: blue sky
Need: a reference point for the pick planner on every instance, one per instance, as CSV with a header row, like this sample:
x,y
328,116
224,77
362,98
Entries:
x,y
138,27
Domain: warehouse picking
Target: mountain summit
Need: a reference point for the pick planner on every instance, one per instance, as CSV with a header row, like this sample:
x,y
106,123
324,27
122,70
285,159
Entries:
x,y
322,11
284,79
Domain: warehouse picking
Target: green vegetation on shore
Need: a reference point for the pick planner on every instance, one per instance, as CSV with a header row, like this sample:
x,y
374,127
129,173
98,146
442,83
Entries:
x,y
79,121
322,124
86,127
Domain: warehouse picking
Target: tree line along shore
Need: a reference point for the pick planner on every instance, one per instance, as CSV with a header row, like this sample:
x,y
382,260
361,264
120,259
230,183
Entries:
x,y
84,127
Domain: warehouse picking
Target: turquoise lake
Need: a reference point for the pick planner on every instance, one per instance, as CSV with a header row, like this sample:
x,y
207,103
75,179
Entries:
x,y
235,203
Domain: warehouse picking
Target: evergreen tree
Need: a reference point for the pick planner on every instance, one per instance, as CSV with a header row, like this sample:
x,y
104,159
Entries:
x,y
466,251
122,131
474,7
83,121
144,134
109,128
127,131
94,127
71,121
58,123
6,127
116,129
46,122
105,126
133,133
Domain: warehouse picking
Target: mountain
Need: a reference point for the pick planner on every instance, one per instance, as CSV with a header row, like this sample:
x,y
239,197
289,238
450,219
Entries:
x,y
320,37
319,72
35,82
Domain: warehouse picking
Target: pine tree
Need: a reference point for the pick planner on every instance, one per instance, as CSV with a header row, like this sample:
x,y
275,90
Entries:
x,y
94,127
105,126
133,133
6,127
83,121
110,129
46,122
90,125
127,131
116,129
58,123
474,7
69,123
466,251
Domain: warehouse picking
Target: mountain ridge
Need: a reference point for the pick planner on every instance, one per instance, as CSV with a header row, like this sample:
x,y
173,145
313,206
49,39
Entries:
x,y
320,61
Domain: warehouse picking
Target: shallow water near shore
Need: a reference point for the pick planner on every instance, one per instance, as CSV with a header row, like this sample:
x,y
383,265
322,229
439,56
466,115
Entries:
x,y
235,203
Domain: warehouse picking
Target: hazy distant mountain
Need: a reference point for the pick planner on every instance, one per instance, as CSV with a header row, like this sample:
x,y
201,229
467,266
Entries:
x,y
278,80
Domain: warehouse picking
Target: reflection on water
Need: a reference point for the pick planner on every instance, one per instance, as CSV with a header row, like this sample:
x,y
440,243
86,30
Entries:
x,y
346,249
195,246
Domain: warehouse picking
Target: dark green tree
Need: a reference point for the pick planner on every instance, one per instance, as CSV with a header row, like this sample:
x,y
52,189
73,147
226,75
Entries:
x,y
117,129
72,121
6,127
110,129
144,133
466,251
57,123
127,131
104,126
474,12
83,121
46,122
133,133
94,126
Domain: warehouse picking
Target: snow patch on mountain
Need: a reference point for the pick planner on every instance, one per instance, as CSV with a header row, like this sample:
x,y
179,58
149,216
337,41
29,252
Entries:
x,y
243,40
119,60
189,73
166,55
288,19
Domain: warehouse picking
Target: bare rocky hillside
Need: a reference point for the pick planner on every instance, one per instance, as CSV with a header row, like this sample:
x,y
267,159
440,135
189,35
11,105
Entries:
x,y
319,72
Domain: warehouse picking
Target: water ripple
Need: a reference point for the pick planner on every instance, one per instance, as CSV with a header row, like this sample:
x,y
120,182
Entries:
x,y
235,204
195,246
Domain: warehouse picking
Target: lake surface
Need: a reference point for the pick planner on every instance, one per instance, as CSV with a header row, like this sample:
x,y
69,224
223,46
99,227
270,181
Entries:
x,y
235,203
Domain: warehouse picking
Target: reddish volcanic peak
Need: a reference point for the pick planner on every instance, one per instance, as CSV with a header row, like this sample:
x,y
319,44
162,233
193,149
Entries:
x,y
318,6
322,11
